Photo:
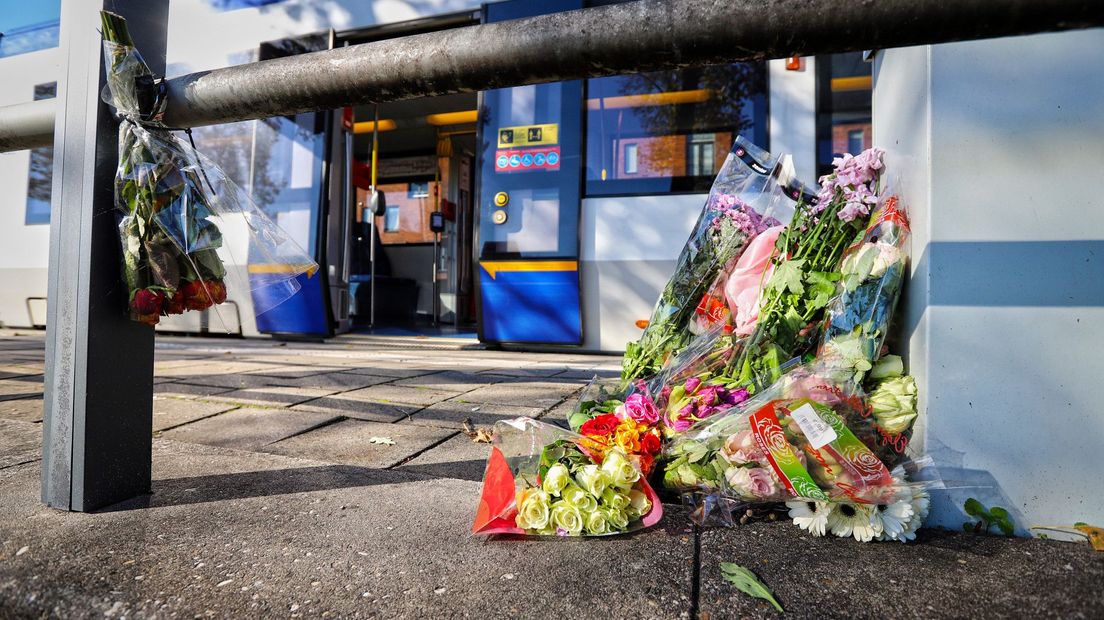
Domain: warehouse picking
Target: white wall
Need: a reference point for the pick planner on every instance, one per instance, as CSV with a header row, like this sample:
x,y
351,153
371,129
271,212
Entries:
x,y
1001,144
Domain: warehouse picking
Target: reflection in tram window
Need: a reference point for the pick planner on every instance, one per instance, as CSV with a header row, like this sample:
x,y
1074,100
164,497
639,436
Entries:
x,y
843,107
670,131
41,174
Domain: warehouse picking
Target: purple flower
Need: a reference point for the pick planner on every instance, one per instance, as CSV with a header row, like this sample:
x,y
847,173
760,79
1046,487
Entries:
x,y
692,384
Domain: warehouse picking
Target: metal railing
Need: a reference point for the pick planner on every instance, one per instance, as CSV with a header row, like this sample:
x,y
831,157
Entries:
x,y
647,35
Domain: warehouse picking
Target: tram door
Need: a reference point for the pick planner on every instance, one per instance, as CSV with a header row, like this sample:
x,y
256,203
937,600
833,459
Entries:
x,y
529,201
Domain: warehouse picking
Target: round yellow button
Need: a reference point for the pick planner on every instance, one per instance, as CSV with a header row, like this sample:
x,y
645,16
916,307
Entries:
x,y
501,199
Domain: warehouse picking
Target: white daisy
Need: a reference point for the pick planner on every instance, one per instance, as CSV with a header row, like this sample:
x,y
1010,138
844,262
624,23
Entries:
x,y
893,517
920,503
853,520
810,515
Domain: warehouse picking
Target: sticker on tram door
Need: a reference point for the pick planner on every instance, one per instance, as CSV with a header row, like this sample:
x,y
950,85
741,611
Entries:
x,y
525,160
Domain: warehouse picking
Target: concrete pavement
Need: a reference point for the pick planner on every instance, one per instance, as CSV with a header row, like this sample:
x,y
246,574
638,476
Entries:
x,y
270,500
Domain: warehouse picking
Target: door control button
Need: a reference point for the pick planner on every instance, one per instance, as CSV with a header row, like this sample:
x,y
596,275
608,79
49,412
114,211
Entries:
x,y
499,217
501,199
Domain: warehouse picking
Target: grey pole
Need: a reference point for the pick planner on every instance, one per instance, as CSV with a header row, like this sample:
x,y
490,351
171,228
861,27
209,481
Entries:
x,y
97,432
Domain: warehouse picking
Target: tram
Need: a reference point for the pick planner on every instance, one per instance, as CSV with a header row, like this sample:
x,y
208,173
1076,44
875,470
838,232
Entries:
x,y
542,215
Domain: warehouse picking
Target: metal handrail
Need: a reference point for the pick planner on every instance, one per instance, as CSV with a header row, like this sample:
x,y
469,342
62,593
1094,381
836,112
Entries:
x,y
647,35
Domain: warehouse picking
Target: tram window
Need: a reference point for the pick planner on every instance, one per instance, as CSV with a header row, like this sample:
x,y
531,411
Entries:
x,y
670,131
41,174
230,5
406,219
391,219
33,26
843,107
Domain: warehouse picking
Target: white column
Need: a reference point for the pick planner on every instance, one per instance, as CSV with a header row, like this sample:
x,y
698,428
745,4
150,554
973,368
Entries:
x,y
999,147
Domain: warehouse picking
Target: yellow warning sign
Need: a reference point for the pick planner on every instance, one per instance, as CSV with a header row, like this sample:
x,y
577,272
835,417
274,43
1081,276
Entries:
x,y
529,135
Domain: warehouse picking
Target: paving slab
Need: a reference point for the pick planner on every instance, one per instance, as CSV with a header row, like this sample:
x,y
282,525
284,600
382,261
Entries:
x,y
349,442
20,442
540,394
238,535
344,381
359,409
295,371
248,428
21,387
452,413
401,395
172,412
391,370
187,390
459,458
526,371
231,381
941,575
271,396
450,381
23,410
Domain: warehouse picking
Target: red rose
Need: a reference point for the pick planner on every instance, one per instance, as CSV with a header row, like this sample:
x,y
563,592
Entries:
x,y
601,426
196,296
649,443
147,302
174,304
149,319
217,289
647,461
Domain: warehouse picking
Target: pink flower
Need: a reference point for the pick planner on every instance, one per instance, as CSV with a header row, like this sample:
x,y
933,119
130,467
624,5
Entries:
x,y
640,408
751,481
741,448
744,285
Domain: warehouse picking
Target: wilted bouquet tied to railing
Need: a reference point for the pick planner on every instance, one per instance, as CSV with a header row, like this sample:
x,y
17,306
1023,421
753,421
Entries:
x,y
173,201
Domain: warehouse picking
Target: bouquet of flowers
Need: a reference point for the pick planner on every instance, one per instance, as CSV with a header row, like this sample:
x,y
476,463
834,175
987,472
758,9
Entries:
x,y
872,274
172,200
809,440
544,480
743,203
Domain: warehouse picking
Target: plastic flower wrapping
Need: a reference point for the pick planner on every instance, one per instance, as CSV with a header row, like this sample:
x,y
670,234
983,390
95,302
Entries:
x,y
544,480
177,208
745,202
763,380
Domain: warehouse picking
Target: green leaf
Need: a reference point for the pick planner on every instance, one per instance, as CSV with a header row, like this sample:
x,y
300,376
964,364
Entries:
x,y
746,582
974,508
788,275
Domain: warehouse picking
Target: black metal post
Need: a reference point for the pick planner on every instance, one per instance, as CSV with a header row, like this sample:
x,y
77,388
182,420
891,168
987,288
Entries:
x,y
97,439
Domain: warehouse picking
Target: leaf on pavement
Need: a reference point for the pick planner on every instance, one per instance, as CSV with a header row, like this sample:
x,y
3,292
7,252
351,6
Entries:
x,y
382,441
746,582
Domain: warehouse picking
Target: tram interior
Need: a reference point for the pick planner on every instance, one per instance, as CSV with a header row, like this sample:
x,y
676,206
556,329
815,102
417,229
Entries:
x,y
425,164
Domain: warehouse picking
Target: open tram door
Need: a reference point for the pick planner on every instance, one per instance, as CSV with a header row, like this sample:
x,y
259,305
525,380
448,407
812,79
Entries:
x,y
529,200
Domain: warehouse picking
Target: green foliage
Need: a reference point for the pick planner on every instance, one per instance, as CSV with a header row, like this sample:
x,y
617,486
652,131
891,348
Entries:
x,y
746,582
987,519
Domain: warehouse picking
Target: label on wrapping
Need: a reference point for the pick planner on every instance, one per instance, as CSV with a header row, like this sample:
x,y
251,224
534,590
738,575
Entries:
x,y
817,432
780,454
863,466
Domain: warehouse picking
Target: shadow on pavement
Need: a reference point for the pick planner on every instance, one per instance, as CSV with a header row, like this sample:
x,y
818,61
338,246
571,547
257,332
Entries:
x,y
266,483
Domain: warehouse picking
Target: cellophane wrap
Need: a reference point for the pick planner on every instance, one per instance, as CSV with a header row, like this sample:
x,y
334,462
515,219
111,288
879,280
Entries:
x,y
544,480
873,273
743,203
176,205
810,436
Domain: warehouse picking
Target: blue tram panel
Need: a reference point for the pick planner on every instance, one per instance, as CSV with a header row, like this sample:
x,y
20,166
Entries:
x,y
530,180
